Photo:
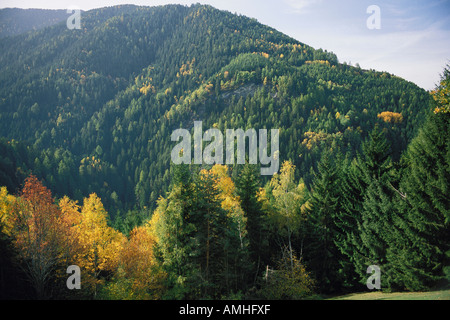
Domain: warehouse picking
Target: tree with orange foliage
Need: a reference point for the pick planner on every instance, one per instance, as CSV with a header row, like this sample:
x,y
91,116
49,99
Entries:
x,y
139,276
38,233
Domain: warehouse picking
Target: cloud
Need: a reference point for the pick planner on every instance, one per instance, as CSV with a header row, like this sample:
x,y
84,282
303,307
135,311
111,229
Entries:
x,y
418,56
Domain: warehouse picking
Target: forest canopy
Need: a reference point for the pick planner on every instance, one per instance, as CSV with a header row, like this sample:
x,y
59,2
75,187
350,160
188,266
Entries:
x,y
86,175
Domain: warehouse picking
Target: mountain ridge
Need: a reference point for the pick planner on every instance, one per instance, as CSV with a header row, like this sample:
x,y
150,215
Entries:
x,y
15,21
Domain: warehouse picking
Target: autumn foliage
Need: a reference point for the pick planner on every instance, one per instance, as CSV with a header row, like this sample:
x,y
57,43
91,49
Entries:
x,y
391,117
441,94
138,264
38,231
49,235
100,243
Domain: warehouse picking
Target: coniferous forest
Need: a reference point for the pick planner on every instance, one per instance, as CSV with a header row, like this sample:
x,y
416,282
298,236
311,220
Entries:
x,y
87,180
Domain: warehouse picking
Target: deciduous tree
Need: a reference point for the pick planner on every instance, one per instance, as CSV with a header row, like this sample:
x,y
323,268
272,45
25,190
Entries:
x,y
38,232
101,244
290,204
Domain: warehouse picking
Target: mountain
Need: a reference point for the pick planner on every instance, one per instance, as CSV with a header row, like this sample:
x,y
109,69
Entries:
x,y
14,21
93,109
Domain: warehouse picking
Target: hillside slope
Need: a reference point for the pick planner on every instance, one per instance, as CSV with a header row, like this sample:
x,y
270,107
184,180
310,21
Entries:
x,y
96,107
15,21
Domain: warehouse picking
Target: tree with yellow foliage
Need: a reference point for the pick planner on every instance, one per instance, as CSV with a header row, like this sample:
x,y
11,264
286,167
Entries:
x,y
7,203
70,219
8,269
290,203
441,94
138,263
230,201
100,244
391,117
139,277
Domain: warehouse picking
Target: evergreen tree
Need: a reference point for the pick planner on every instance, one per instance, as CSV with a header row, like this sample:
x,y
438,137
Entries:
x,y
323,254
376,161
209,239
173,230
378,210
247,187
348,220
100,122
421,255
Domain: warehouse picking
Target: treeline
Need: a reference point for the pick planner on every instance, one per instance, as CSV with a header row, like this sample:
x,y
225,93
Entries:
x,y
220,233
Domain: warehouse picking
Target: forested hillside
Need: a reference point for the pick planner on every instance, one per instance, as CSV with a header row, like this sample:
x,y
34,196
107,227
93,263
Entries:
x,y
106,98
14,21
87,115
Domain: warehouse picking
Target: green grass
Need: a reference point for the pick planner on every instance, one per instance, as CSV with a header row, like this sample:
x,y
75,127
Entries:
x,y
378,295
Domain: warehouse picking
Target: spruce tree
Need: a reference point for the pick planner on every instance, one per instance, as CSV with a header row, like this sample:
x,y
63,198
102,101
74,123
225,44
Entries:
x,y
247,185
173,229
209,243
348,221
421,255
377,207
322,253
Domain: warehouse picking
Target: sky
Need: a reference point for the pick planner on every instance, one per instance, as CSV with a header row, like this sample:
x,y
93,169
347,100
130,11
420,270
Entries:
x,y
408,38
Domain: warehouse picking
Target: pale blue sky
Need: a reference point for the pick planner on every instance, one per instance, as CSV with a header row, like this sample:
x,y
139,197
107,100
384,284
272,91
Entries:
x,y
413,41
